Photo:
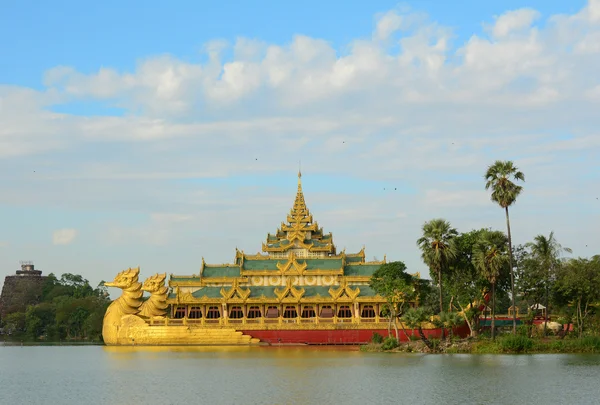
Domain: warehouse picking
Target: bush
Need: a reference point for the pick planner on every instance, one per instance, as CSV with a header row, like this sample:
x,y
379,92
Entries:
x,y
376,338
591,343
516,344
389,343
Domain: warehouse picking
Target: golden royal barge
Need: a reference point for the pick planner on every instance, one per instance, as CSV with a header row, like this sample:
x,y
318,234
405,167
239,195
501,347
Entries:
x,y
299,290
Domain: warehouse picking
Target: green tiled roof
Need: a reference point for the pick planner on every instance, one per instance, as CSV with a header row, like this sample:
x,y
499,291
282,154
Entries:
x,y
184,278
209,292
312,291
353,259
316,242
360,269
261,264
229,271
365,290
268,292
283,242
323,264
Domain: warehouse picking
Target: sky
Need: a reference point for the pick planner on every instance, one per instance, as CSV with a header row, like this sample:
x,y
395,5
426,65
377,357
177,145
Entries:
x,y
148,134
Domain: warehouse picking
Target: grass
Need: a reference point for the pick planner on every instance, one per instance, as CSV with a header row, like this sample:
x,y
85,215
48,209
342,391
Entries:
x,y
503,344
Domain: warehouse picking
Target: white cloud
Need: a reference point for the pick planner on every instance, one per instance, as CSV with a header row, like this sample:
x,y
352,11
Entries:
x,y
388,24
64,236
514,21
184,166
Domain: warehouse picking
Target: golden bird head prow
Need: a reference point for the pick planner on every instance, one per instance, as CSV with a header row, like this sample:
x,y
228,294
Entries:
x,y
154,283
125,279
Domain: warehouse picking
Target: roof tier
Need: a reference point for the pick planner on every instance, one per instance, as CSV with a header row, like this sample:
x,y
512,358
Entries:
x,y
300,232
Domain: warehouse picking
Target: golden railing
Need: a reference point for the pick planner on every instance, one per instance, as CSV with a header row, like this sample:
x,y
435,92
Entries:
x,y
220,322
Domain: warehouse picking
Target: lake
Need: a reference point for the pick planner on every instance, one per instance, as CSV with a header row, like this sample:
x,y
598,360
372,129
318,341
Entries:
x,y
288,375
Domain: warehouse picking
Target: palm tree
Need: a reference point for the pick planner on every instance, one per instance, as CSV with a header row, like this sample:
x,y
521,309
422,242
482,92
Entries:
x,y
438,248
547,250
489,258
504,192
451,320
414,318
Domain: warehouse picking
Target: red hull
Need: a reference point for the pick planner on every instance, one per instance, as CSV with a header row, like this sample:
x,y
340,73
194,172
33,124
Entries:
x,y
338,337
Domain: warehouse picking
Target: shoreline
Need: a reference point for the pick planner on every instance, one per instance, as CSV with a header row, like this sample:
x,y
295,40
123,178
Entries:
x,y
507,344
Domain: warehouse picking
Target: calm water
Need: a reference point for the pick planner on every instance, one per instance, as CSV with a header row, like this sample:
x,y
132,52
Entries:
x,y
289,375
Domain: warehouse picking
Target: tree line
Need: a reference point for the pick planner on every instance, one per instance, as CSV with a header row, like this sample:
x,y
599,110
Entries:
x,y
479,270
68,309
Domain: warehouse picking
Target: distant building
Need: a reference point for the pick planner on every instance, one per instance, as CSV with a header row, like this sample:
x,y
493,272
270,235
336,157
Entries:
x,y
24,288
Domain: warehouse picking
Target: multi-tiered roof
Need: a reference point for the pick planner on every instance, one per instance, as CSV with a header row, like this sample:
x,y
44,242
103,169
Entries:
x,y
298,248
300,232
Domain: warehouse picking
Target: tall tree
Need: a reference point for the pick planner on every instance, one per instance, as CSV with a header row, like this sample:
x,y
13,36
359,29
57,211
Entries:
x,y
578,284
499,178
547,251
465,283
392,282
438,249
490,258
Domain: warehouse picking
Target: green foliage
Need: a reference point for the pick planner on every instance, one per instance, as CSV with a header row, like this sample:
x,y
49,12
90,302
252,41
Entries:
x,y
438,250
499,178
389,343
578,285
391,281
415,316
69,309
516,344
376,338
451,319
15,322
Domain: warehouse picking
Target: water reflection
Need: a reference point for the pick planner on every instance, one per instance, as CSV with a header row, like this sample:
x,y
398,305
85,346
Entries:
x,y
287,375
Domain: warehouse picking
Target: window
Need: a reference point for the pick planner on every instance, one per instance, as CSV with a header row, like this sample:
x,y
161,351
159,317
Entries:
x,y
213,313
290,312
254,312
236,313
179,313
272,312
326,311
195,313
344,312
368,312
308,312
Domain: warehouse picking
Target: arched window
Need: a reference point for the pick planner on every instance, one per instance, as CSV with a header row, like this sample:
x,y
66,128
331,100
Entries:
x,y
254,312
195,313
344,312
368,312
213,313
326,311
272,312
290,312
236,313
179,312
308,312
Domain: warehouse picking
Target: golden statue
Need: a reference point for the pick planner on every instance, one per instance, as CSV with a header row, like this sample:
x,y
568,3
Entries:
x,y
127,304
156,305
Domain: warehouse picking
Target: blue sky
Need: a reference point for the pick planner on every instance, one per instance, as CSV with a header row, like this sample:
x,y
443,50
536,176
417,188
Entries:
x,y
141,133
39,36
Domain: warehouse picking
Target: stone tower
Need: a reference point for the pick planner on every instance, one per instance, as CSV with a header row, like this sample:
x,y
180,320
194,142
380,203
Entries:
x,y
24,288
